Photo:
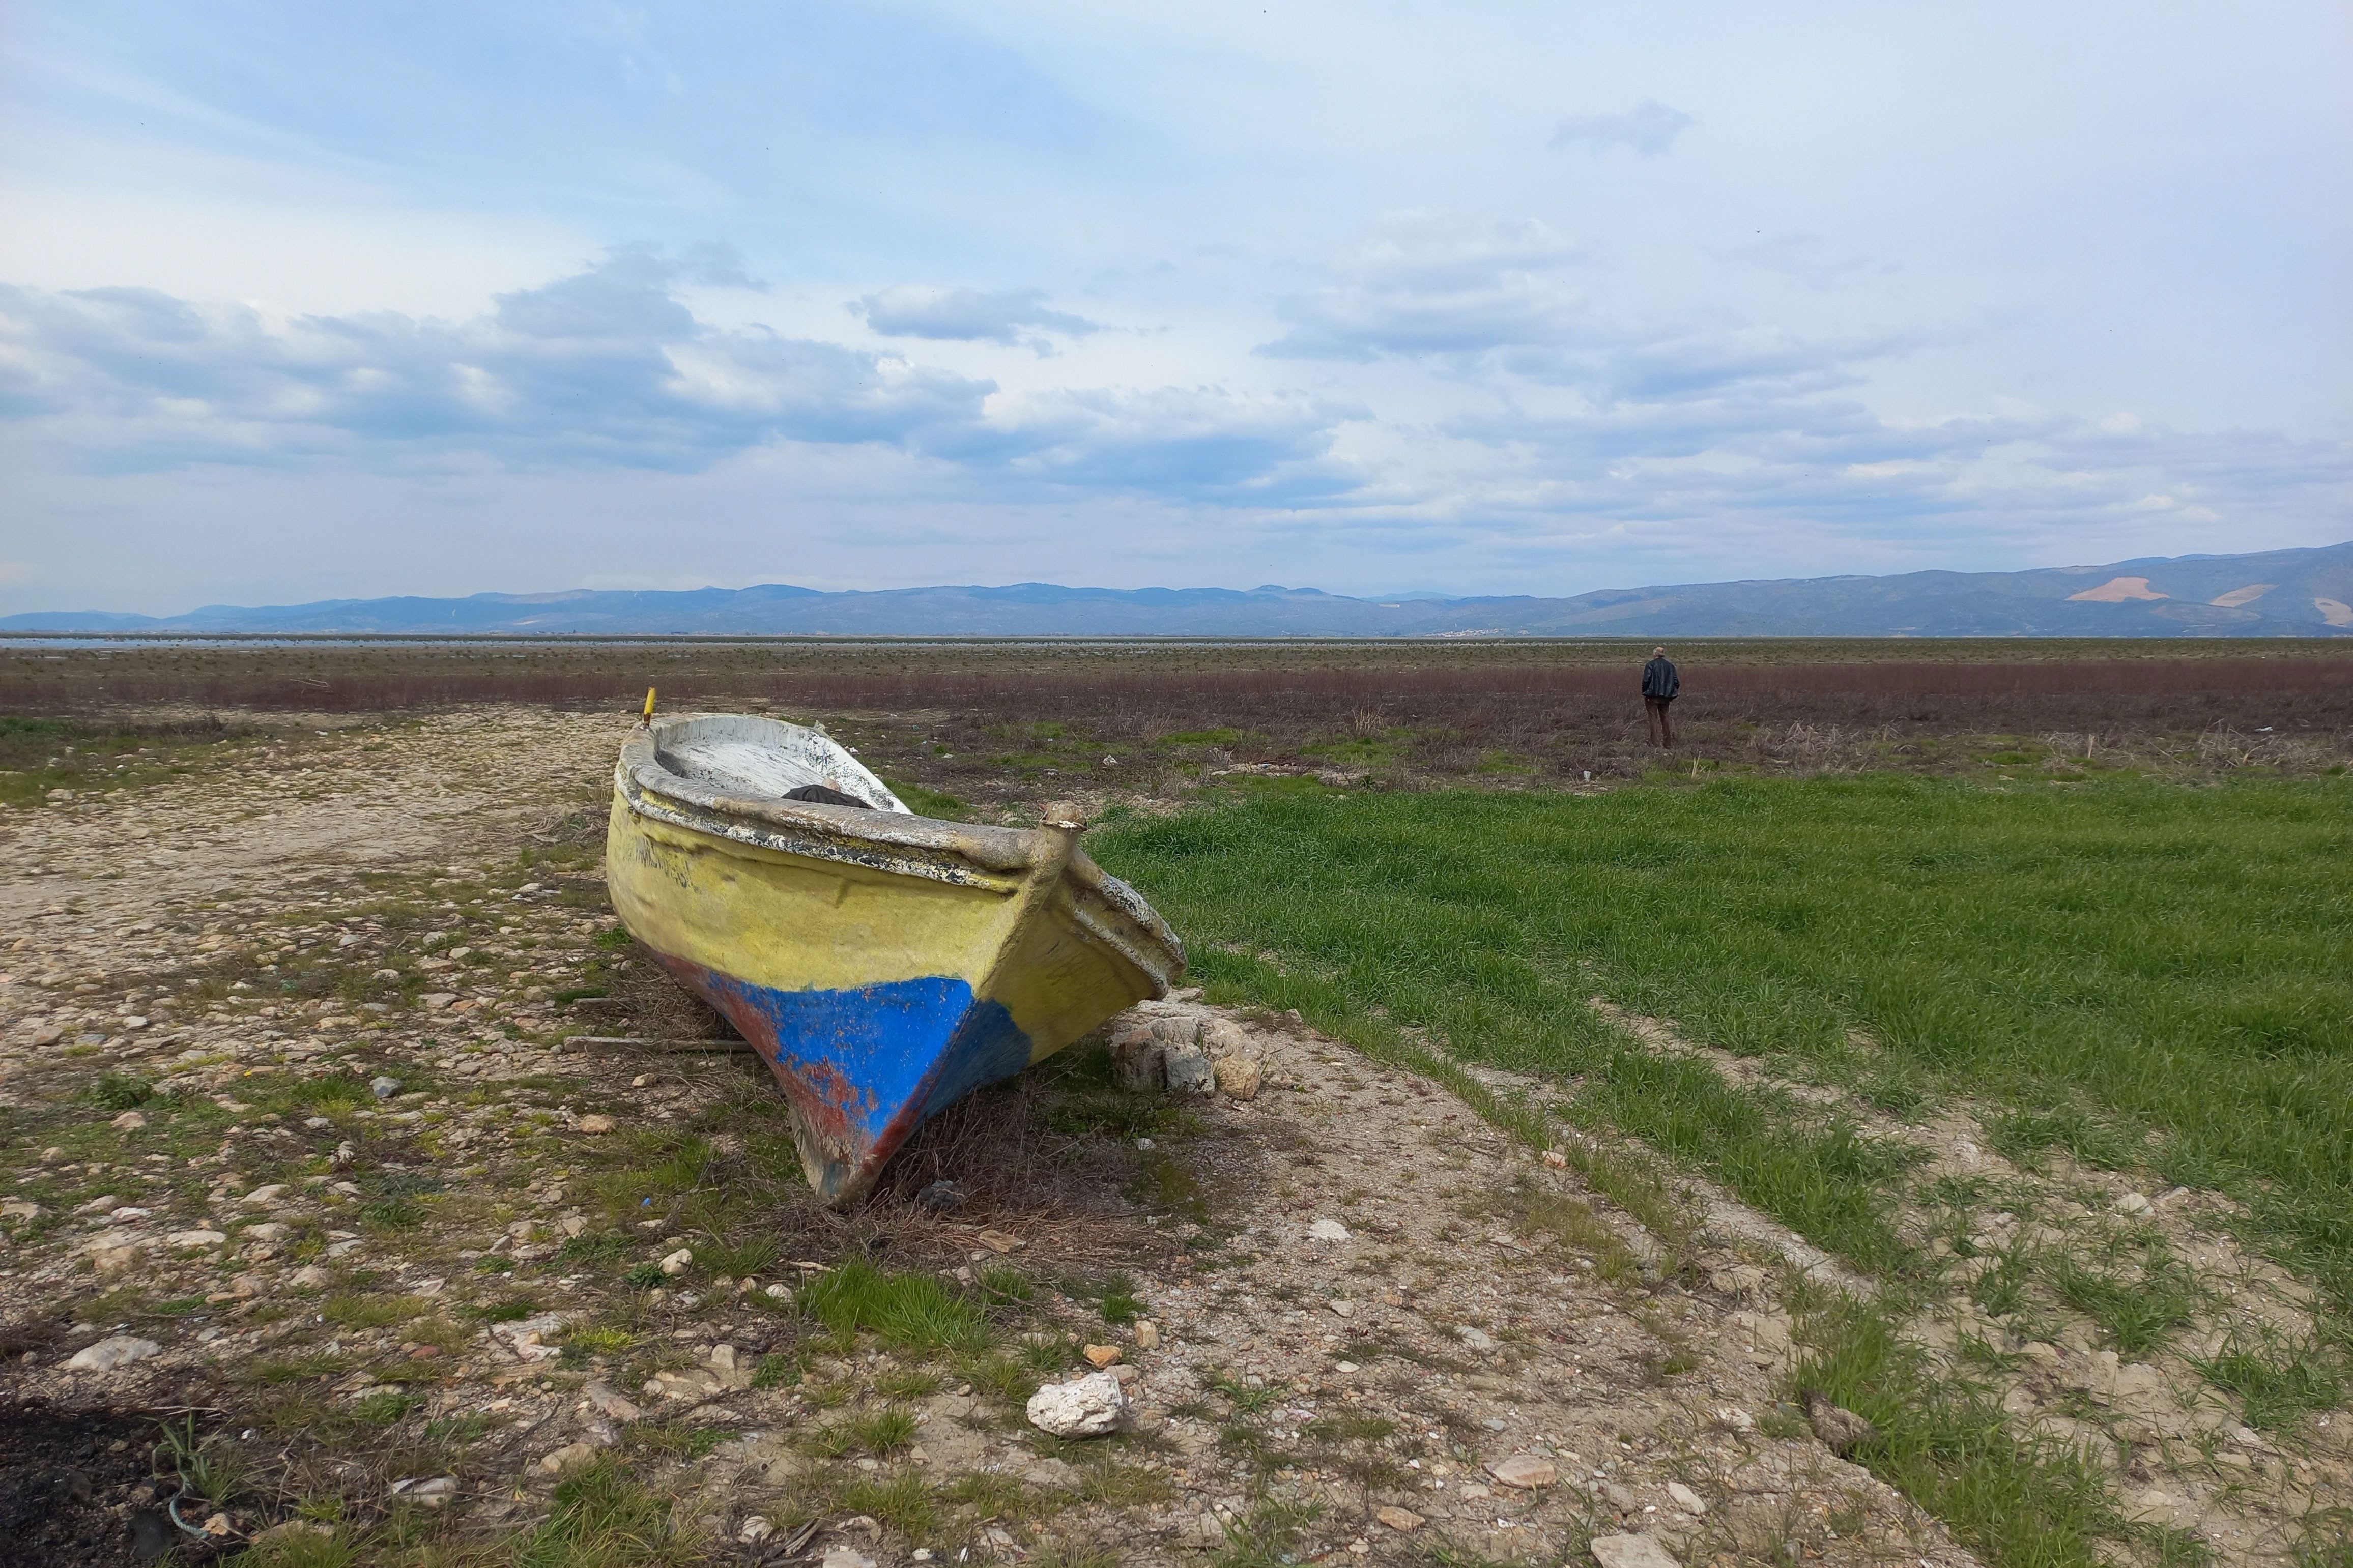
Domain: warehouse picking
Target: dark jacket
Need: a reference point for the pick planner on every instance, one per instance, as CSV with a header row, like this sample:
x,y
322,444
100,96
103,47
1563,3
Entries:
x,y
1660,680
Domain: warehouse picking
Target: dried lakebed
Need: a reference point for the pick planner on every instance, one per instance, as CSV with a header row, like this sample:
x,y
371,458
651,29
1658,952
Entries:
x,y
291,1149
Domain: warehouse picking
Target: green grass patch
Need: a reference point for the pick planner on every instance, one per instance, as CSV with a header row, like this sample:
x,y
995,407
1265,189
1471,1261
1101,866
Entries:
x,y
2278,1381
1949,1448
604,1519
927,801
909,1310
2009,944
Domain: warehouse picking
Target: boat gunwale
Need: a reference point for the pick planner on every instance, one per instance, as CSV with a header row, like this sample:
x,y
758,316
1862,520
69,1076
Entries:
x,y
889,841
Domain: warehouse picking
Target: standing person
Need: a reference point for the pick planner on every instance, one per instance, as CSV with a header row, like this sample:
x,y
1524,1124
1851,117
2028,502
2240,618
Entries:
x,y
1660,685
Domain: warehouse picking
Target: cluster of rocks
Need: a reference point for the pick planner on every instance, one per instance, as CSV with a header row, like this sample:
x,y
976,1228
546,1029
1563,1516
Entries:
x,y
1185,1047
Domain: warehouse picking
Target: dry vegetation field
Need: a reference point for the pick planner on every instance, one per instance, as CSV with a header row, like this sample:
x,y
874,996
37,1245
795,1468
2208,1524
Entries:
x,y
1956,1030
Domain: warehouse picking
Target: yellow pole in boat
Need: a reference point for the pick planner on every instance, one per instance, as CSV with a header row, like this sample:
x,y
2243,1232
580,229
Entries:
x,y
647,719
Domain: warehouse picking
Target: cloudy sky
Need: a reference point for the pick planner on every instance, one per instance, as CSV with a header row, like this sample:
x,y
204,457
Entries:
x,y
302,300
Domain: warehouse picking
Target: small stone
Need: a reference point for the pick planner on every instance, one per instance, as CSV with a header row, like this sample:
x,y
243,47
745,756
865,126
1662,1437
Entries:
x,y
1555,1158
996,1241
941,1196
432,1492
570,1456
1148,1334
384,1087
1344,1307
1088,1407
111,1353
755,1530
1477,1338
1400,1519
311,1276
1631,1551
193,1238
1136,1060
1686,1498
1188,1069
1527,1472
677,1262
2134,1204
1102,1355
1327,1230
1839,1429
268,1230
845,1557
128,1122
595,1123
245,1287
1241,1077
609,1401
263,1195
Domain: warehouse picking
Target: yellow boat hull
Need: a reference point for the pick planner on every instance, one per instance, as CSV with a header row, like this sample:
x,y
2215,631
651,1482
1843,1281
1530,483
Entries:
x,y
885,965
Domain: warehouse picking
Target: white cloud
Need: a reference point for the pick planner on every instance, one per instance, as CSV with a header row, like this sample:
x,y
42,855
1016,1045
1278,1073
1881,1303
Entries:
x,y
966,315
1650,128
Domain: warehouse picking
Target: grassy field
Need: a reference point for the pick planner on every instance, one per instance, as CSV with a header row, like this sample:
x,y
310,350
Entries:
x,y
2141,973
2151,978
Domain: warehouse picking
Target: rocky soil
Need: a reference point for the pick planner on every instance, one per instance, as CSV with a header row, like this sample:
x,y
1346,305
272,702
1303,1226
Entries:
x,y
294,1155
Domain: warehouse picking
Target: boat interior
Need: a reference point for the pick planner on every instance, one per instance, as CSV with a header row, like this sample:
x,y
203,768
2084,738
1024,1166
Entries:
x,y
743,755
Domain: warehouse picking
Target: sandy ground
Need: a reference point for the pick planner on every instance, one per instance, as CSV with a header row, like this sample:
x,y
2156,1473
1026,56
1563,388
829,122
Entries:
x,y
1350,1302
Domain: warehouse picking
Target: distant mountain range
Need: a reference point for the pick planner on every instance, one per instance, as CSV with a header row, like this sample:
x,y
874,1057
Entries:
x,y
2278,593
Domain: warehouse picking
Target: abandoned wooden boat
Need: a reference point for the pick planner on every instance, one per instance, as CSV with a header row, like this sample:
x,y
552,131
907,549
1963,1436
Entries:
x,y
885,964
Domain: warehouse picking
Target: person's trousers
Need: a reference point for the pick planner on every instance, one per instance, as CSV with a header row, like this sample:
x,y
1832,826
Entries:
x,y
1662,730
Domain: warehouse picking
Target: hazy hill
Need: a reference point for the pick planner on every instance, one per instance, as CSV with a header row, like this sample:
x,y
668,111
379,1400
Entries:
x,y
2280,592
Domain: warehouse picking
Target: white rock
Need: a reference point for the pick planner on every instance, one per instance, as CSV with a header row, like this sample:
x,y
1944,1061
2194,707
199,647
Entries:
x,y
433,1491
268,1230
755,1530
1686,1498
607,1400
130,1121
845,1557
1088,1407
384,1087
114,1351
677,1262
311,1276
1327,1230
2133,1203
265,1194
1631,1551
1477,1338
195,1238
